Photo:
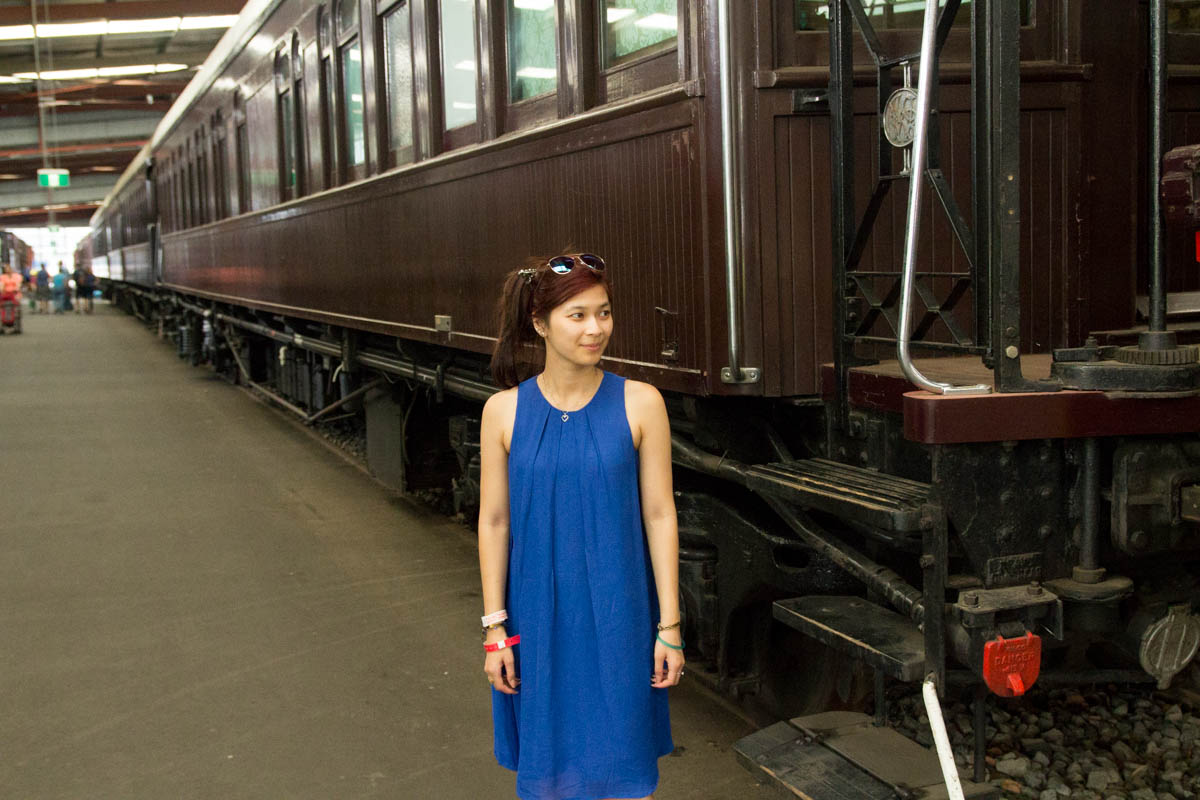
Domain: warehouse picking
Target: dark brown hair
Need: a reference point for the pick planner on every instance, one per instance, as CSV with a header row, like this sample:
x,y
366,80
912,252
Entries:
x,y
532,290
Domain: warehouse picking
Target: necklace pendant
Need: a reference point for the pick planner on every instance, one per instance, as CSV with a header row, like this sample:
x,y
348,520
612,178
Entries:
x,y
564,416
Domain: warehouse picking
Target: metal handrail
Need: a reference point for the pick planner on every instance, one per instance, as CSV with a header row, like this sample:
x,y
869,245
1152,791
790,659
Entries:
x,y
912,226
730,178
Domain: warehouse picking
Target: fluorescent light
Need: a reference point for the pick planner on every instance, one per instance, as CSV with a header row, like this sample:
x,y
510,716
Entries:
x,y
16,31
212,21
58,29
104,168
59,74
658,22
112,72
355,55
101,27
461,106
534,5
8,176
161,25
94,72
541,73
12,79
466,66
618,14
356,98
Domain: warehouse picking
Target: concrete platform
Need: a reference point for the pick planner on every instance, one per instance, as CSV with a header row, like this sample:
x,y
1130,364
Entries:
x,y
198,600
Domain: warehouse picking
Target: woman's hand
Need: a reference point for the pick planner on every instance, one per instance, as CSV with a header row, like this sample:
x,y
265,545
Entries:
x,y
668,662
500,665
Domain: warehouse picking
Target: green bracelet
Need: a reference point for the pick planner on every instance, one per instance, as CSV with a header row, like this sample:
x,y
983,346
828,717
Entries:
x,y
668,644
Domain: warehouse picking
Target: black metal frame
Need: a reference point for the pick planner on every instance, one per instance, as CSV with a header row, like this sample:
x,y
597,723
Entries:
x,y
991,249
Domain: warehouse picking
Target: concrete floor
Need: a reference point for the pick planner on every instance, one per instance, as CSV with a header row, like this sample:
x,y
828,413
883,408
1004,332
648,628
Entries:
x,y
199,600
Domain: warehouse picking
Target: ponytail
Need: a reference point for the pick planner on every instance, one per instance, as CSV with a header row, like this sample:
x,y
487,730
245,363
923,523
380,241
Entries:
x,y
510,358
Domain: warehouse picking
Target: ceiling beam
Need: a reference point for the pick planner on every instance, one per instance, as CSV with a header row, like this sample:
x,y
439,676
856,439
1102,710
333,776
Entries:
x,y
190,57
72,149
131,86
132,9
89,104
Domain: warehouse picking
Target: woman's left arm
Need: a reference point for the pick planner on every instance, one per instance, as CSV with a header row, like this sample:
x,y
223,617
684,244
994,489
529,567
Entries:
x,y
662,527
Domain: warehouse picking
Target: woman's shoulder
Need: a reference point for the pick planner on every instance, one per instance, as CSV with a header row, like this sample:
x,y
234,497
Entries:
x,y
502,401
641,393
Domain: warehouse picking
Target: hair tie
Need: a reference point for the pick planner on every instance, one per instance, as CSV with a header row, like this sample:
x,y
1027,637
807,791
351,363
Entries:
x,y
527,274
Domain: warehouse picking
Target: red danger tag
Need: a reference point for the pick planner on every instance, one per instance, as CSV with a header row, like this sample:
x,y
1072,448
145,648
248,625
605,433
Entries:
x,y
1011,666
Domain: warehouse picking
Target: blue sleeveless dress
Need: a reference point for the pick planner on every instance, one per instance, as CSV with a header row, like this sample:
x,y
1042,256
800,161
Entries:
x,y
585,723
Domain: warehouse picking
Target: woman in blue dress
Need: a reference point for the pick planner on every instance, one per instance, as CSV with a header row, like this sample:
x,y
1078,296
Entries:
x,y
578,547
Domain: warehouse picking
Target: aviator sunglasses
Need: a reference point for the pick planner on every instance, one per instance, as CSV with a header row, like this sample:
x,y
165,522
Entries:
x,y
561,265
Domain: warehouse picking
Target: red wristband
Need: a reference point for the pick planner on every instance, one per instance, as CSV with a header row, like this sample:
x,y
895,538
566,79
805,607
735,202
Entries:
x,y
509,642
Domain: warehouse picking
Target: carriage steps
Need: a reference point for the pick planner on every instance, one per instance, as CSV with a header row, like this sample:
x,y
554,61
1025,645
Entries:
x,y
842,755
883,501
876,636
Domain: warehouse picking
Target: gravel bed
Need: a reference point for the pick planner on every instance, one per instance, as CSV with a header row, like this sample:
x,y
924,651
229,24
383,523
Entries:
x,y
1091,743
349,435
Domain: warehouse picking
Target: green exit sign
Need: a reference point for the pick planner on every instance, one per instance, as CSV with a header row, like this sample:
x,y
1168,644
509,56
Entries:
x,y
54,178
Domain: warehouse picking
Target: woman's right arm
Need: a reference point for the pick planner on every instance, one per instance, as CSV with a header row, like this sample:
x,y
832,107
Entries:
x,y
499,414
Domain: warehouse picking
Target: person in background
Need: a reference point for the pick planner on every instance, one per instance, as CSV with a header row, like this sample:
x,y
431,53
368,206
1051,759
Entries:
x,y
60,289
77,276
27,287
42,282
85,289
10,284
69,292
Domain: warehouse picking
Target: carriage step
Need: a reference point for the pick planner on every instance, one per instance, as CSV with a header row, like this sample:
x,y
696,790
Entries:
x,y
840,755
883,501
872,634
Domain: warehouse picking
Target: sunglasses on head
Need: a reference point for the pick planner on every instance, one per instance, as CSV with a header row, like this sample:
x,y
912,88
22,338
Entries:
x,y
561,265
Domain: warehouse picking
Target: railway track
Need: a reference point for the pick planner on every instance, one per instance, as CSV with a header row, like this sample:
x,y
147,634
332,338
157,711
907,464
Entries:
x,y
1092,743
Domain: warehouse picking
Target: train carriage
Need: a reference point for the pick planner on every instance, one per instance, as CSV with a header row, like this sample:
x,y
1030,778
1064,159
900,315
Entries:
x,y
338,192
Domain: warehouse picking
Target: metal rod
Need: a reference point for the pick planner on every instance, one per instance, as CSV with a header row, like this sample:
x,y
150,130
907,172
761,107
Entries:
x,y
730,193
345,399
912,225
465,387
1089,536
1158,74
933,709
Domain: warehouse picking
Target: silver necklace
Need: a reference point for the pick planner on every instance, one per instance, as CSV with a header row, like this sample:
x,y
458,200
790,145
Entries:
x,y
565,415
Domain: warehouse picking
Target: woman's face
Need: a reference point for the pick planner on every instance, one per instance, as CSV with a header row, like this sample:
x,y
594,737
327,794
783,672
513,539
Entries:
x,y
579,329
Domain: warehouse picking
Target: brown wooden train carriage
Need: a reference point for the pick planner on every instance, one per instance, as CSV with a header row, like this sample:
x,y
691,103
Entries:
x,y
626,162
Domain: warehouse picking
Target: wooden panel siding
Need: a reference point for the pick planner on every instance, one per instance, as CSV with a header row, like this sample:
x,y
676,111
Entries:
x,y
395,251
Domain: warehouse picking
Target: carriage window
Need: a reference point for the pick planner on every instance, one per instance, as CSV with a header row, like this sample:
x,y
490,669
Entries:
x,y
532,49
458,62
347,16
397,34
287,126
813,15
633,28
352,104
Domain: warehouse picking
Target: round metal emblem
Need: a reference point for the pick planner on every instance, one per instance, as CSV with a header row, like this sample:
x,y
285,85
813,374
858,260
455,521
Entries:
x,y
900,117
